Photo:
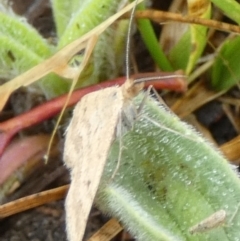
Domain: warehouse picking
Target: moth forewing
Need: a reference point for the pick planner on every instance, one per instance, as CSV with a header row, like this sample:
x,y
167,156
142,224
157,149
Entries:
x,y
88,140
215,220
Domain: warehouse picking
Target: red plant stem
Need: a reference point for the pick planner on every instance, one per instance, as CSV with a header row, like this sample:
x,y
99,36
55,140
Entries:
x,y
49,109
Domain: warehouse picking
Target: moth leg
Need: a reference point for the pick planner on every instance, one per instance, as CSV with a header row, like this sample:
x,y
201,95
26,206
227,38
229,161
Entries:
x,y
146,94
120,151
160,100
128,117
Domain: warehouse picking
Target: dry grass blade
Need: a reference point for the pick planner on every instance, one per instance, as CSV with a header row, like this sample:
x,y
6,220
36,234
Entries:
x,y
89,48
32,201
231,150
108,231
57,61
158,16
197,96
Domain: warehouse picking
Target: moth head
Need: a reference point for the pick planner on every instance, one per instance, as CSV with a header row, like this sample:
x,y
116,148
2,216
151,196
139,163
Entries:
x,y
131,89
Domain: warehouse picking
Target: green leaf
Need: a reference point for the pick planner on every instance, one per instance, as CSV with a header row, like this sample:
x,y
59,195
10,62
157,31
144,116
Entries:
x,y
105,63
83,19
169,179
225,70
22,47
230,8
17,29
15,57
62,13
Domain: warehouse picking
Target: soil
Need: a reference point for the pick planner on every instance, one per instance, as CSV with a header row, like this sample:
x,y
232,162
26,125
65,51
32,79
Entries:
x,y
43,223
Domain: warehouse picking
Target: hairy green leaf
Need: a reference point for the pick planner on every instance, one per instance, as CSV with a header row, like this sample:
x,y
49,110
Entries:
x,y
169,179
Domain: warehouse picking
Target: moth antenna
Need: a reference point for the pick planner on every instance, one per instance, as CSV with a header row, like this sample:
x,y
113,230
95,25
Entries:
x,y
154,78
128,44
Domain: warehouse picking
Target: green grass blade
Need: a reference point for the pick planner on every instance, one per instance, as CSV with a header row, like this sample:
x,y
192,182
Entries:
x,y
230,8
198,39
152,43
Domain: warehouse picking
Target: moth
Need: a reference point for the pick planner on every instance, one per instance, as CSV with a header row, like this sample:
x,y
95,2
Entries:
x,y
211,222
88,140
89,137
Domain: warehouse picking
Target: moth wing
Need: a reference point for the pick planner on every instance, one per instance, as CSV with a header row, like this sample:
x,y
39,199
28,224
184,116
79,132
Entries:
x,y
88,140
